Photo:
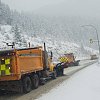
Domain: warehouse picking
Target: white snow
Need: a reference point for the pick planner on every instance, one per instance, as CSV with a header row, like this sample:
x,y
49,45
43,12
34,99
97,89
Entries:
x,y
84,85
6,28
57,47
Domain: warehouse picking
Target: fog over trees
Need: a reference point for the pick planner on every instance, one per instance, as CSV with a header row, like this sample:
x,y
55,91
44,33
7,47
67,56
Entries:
x,y
66,28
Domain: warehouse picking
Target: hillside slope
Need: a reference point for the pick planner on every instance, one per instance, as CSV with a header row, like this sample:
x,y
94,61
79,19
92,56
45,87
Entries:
x,y
58,47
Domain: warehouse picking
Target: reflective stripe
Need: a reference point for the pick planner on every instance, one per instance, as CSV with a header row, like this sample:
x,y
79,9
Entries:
x,y
63,59
7,61
7,71
5,67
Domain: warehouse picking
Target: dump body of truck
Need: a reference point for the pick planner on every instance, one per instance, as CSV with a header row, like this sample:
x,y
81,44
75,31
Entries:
x,y
69,60
70,57
14,63
22,70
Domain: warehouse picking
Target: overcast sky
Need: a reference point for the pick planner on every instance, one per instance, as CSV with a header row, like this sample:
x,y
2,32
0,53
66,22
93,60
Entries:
x,y
68,7
29,5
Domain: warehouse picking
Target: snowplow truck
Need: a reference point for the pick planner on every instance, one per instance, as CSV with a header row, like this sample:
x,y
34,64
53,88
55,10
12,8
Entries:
x,y
93,57
69,60
22,70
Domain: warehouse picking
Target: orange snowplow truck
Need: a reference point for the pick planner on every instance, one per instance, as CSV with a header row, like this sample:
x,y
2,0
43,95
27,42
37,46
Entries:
x,y
69,60
22,70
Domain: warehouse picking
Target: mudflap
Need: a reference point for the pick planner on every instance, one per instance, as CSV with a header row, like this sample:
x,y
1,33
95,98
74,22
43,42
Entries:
x,y
15,86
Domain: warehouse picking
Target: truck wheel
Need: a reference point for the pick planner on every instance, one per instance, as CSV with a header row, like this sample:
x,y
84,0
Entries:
x,y
27,84
54,75
76,63
35,81
42,81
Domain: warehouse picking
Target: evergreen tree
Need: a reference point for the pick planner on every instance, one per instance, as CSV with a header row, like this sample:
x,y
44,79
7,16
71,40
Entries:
x,y
24,42
17,35
7,37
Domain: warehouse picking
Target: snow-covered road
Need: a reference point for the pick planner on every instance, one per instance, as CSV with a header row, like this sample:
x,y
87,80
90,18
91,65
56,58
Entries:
x,y
84,85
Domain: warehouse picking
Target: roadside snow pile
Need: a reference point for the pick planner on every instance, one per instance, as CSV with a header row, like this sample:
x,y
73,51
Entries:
x,y
84,85
7,35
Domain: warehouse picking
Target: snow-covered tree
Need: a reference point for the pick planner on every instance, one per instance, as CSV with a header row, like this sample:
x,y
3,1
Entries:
x,y
24,42
7,37
17,35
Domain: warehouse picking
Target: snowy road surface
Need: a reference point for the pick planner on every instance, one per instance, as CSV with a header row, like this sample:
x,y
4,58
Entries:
x,y
84,85
36,93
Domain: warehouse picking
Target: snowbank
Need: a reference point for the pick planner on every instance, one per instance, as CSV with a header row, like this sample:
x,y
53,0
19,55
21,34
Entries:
x,y
84,85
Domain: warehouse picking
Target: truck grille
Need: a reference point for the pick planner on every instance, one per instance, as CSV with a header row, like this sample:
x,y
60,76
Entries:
x,y
5,67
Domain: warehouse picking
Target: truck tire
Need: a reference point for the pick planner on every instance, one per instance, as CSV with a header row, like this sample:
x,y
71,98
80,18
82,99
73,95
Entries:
x,y
76,63
54,75
35,81
42,81
27,84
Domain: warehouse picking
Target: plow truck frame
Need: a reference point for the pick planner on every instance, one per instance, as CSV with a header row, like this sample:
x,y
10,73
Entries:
x,y
22,70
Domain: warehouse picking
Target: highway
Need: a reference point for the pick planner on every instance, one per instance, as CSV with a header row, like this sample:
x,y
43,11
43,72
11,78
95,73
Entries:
x,y
48,86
